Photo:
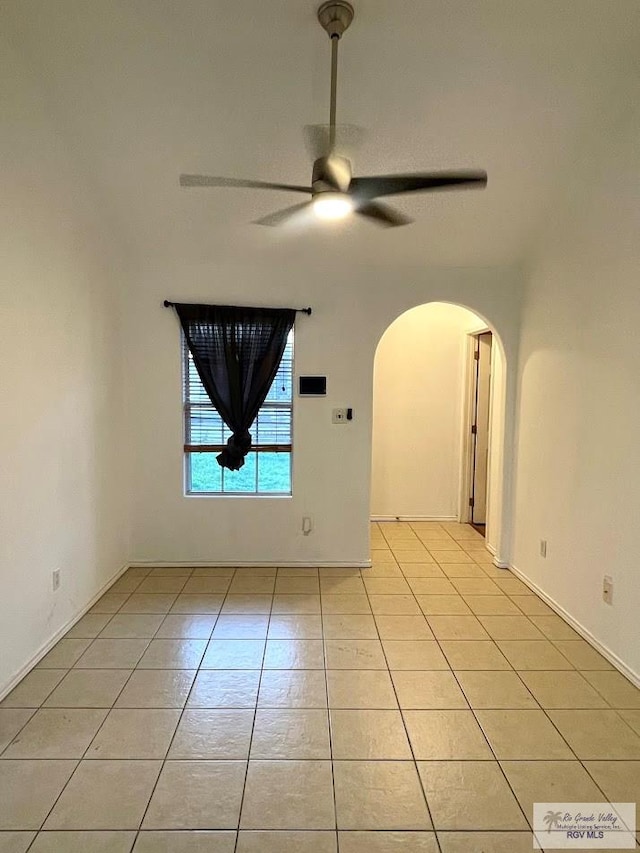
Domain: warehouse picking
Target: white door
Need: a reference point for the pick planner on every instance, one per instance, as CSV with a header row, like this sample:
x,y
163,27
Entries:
x,y
480,429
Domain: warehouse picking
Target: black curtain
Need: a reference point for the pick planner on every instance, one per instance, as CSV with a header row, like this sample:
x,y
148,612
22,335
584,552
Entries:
x,y
237,352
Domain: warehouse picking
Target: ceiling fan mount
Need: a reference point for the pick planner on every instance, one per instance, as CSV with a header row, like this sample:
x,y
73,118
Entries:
x,y
334,191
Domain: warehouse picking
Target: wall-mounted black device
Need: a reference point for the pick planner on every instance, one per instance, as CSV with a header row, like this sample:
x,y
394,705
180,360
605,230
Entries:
x,y
312,386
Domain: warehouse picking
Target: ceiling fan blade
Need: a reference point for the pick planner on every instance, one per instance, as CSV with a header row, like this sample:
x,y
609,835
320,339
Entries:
x,y
209,181
381,185
280,217
349,137
382,214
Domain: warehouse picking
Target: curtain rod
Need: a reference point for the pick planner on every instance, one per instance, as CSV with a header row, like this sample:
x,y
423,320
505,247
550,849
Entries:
x,y
168,304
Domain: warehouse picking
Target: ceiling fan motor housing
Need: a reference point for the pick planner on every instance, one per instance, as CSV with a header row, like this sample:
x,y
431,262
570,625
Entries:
x,y
335,17
331,174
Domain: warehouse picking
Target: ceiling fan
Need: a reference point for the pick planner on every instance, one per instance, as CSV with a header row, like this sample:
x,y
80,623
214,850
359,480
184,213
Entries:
x,y
334,191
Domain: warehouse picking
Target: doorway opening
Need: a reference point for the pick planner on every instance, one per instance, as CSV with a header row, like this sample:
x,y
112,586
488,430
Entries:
x,y
438,420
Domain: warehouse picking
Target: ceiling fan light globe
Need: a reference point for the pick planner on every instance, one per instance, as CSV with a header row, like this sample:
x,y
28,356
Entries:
x,y
330,205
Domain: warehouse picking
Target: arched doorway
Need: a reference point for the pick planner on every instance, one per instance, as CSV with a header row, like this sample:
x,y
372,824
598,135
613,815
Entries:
x,y
438,420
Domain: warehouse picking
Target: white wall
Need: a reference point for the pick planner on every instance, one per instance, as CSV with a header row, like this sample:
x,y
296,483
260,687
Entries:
x,y
578,483
62,490
352,307
418,403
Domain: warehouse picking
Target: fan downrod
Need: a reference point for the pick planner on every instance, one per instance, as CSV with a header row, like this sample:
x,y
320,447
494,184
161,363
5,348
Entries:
x,y
335,16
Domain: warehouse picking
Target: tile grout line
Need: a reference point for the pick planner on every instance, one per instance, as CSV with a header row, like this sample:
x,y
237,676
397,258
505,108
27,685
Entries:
x,y
329,726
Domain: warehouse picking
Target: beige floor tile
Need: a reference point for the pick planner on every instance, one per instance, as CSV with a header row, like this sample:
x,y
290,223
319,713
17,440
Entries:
x,y
256,571
254,841
368,735
598,734
300,585
112,654
28,789
522,735
189,841
80,841
365,688
398,605
513,586
64,654
414,654
554,628
531,605
562,689
149,602
345,603
11,721
295,627
414,555
445,605
463,570
250,585
34,688
492,605
349,627
511,628
495,689
441,544
126,585
169,572
197,604
383,570
354,654
449,556
432,586
89,626
388,842
422,570
632,718
620,780
533,654
125,626
582,655
234,654
158,584
105,795
379,795
428,690
297,572
438,735
213,571
479,654
550,782
197,795
469,795
212,734
457,628
173,654
207,585
135,733
342,585
387,586
225,688
475,586
296,604
111,602
89,688
56,733
157,688
403,627
290,733
293,688
247,603
176,626
294,654
485,842
339,572
288,795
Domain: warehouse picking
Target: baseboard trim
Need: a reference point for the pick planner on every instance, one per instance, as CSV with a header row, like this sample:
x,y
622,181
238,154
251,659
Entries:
x,y
605,651
497,562
258,564
46,647
435,518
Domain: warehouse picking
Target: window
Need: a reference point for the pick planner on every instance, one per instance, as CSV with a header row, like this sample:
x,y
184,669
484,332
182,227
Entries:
x,y
267,467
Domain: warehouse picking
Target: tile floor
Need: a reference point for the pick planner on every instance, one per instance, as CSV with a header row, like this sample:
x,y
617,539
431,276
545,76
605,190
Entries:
x,y
420,705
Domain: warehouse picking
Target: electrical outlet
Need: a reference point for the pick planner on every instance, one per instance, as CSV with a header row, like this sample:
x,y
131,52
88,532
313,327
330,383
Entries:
x,y
543,548
55,579
338,416
607,589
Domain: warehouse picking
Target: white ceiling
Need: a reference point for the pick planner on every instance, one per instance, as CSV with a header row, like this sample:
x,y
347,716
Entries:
x,y
146,89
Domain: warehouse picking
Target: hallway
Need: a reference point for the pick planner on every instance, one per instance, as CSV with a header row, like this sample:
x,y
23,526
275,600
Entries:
x,y
421,705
